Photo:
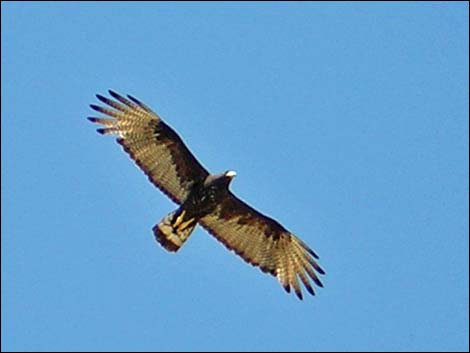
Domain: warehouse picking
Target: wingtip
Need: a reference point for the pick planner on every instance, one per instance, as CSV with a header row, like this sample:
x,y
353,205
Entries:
x,y
114,94
310,290
135,100
309,250
96,107
313,253
100,97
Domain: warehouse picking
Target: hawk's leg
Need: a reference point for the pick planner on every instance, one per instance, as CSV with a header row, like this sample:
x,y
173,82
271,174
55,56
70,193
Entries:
x,y
174,229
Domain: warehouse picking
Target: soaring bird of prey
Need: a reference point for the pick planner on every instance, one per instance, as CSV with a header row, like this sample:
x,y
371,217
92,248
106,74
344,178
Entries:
x,y
204,198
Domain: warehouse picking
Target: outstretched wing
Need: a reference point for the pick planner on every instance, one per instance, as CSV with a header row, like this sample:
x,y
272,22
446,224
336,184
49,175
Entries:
x,y
262,241
152,144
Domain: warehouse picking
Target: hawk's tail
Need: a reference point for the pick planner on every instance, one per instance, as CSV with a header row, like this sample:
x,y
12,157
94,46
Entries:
x,y
174,229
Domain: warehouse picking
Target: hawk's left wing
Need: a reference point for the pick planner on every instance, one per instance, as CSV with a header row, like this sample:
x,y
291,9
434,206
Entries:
x,y
262,241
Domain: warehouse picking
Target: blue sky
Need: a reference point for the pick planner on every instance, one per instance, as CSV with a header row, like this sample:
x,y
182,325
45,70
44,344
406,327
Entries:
x,y
347,122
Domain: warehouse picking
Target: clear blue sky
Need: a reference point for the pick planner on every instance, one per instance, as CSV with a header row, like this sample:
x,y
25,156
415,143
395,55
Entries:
x,y
347,122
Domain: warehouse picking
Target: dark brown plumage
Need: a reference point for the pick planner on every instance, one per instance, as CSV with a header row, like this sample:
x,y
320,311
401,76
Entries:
x,y
204,198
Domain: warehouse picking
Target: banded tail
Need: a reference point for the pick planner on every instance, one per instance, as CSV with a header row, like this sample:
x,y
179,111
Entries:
x,y
174,230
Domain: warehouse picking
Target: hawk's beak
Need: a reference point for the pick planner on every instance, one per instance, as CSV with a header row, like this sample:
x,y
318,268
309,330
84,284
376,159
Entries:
x,y
231,174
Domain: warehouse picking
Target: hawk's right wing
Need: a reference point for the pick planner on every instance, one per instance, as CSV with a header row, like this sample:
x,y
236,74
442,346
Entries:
x,y
153,145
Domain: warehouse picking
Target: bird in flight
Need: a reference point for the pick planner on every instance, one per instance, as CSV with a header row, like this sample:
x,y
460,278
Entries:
x,y
204,198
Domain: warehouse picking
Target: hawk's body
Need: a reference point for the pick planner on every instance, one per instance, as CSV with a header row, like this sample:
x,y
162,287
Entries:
x,y
204,198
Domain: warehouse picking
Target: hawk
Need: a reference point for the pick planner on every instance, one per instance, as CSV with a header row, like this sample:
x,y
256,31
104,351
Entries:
x,y
204,198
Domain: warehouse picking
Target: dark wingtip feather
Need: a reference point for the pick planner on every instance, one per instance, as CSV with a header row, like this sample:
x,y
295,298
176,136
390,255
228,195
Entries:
x,y
114,94
135,100
310,290
286,287
96,107
101,131
317,282
299,295
92,119
311,252
100,97
320,270
307,249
